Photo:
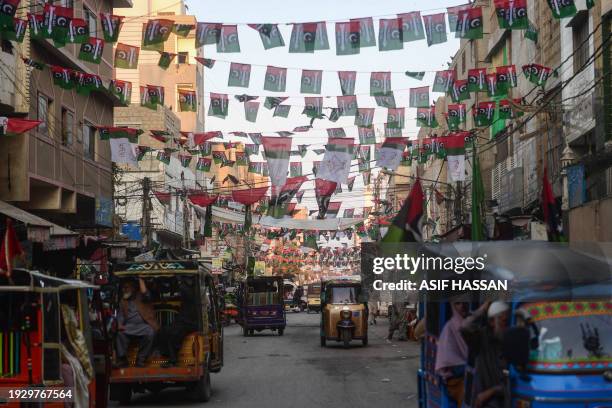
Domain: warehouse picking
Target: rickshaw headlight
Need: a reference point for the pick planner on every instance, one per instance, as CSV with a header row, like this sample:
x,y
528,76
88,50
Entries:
x,y
345,314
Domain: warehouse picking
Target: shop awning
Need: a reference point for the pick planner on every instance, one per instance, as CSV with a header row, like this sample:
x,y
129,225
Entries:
x,y
52,236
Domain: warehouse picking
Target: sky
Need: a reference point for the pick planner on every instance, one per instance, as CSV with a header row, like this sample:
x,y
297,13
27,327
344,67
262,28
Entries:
x,y
415,56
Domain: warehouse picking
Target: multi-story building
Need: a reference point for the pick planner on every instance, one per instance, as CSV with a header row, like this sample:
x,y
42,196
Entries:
x,y
61,169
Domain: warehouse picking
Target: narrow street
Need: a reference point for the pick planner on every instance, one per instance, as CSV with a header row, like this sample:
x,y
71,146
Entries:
x,y
293,370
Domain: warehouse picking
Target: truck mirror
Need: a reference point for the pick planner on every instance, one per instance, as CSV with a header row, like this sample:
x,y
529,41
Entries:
x,y
515,346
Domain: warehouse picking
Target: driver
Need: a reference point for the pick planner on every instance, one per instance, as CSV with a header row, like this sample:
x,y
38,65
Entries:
x,y
136,321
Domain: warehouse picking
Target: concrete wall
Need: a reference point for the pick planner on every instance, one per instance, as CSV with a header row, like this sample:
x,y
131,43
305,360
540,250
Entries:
x,y
590,221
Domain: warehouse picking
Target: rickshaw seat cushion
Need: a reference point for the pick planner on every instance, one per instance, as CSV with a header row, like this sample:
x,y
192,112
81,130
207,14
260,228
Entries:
x,y
186,355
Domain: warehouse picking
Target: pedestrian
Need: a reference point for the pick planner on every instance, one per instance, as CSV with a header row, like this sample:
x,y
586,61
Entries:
x,y
393,321
483,333
372,311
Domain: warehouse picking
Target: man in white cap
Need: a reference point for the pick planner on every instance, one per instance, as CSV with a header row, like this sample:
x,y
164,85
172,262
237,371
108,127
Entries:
x,y
483,337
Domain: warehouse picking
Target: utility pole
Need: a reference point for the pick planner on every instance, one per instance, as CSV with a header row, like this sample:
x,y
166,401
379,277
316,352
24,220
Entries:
x,y
186,240
146,213
377,204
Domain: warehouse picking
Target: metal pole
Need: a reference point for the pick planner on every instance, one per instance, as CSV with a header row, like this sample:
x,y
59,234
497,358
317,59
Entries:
x,y
146,213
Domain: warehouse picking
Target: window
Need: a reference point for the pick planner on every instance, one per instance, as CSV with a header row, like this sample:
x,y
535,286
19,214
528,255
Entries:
x,y
89,140
44,107
67,127
92,21
183,57
580,29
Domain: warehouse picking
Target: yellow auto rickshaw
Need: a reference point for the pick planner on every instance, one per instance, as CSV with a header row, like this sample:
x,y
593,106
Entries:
x,y
201,352
344,314
313,298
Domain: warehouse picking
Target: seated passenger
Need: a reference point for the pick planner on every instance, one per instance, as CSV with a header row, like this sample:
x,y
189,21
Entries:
x,y
186,321
452,354
136,322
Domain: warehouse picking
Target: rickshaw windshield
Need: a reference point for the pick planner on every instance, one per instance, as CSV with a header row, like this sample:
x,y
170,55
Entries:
x,y
572,335
343,294
263,292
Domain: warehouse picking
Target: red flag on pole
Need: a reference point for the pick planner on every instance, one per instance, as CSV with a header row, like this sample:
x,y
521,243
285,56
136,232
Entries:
x,y
11,248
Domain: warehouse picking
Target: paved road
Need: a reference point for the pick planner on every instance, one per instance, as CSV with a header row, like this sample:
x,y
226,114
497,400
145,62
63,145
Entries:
x,y
294,371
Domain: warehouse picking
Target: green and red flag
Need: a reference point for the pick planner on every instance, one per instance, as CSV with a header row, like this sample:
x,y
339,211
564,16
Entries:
x,y
207,62
380,83
126,56
56,22
456,115
506,78
151,96
419,97
156,31
562,8
483,113
435,28
532,32
185,159
165,59
536,74
460,91
16,126
469,24
308,37
121,89
313,106
85,83
282,111
276,79
396,118
164,156
255,167
250,111
453,15
110,132
412,26
418,75
228,39
272,102
239,75
347,105
8,9
512,14
34,64
182,30
508,108
390,152
242,159
444,81
295,169
36,24
367,35
141,151
366,135
347,82
204,164
277,151
453,148
390,34
311,81
407,225
348,38
218,105
122,144
364,152
78,31
219,157
333,209
160,135
364,117
492,89
281,197
187,101
323,192
367,176
392,131
62,77
426,117
111,26
207,33
336,132
270,35
303,149
15,32
91,50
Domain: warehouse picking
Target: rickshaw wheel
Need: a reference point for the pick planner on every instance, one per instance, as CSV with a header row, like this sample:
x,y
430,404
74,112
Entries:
x,y
203,390
281,331
323,341
364,341
245,332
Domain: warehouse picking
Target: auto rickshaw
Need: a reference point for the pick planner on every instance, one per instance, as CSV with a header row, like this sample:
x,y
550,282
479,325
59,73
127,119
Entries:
x,y
559,342
201,352
344,313
49,329
261,305
313,298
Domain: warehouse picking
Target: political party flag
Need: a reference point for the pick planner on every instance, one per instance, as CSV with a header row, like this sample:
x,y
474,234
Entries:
x,y
347,105
395,118
435,29
123,149
443,81
418,75
347,82
456,115
282,111
454,150
228,39
62,77
552,216
250,111
185,159
469,24
218,105
111,26
276,79
303,38
295,169
141,151
385,101
477,80
366,175
10,249
333,209
392,131
323,192
380,83
426,117
412,26
419,97
36,22
78,31
272,102
303,149
336,132
187,101
270,35
313,106
15,31
453,14
492,85
506,78
160,135
390,152
562,8
15,126
156,31
151,95
277,151
91,50
8,9
348,38
532,32
364,152
366,135
336,164
311,81
242,159
507,108
165,59
483,113
219,157
407,225
56,22
182,30
537,74
512,14
204,164
281,197
126,56
207,33
85,83
390,34
207,62
364,117
349,213
239,75
459,90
